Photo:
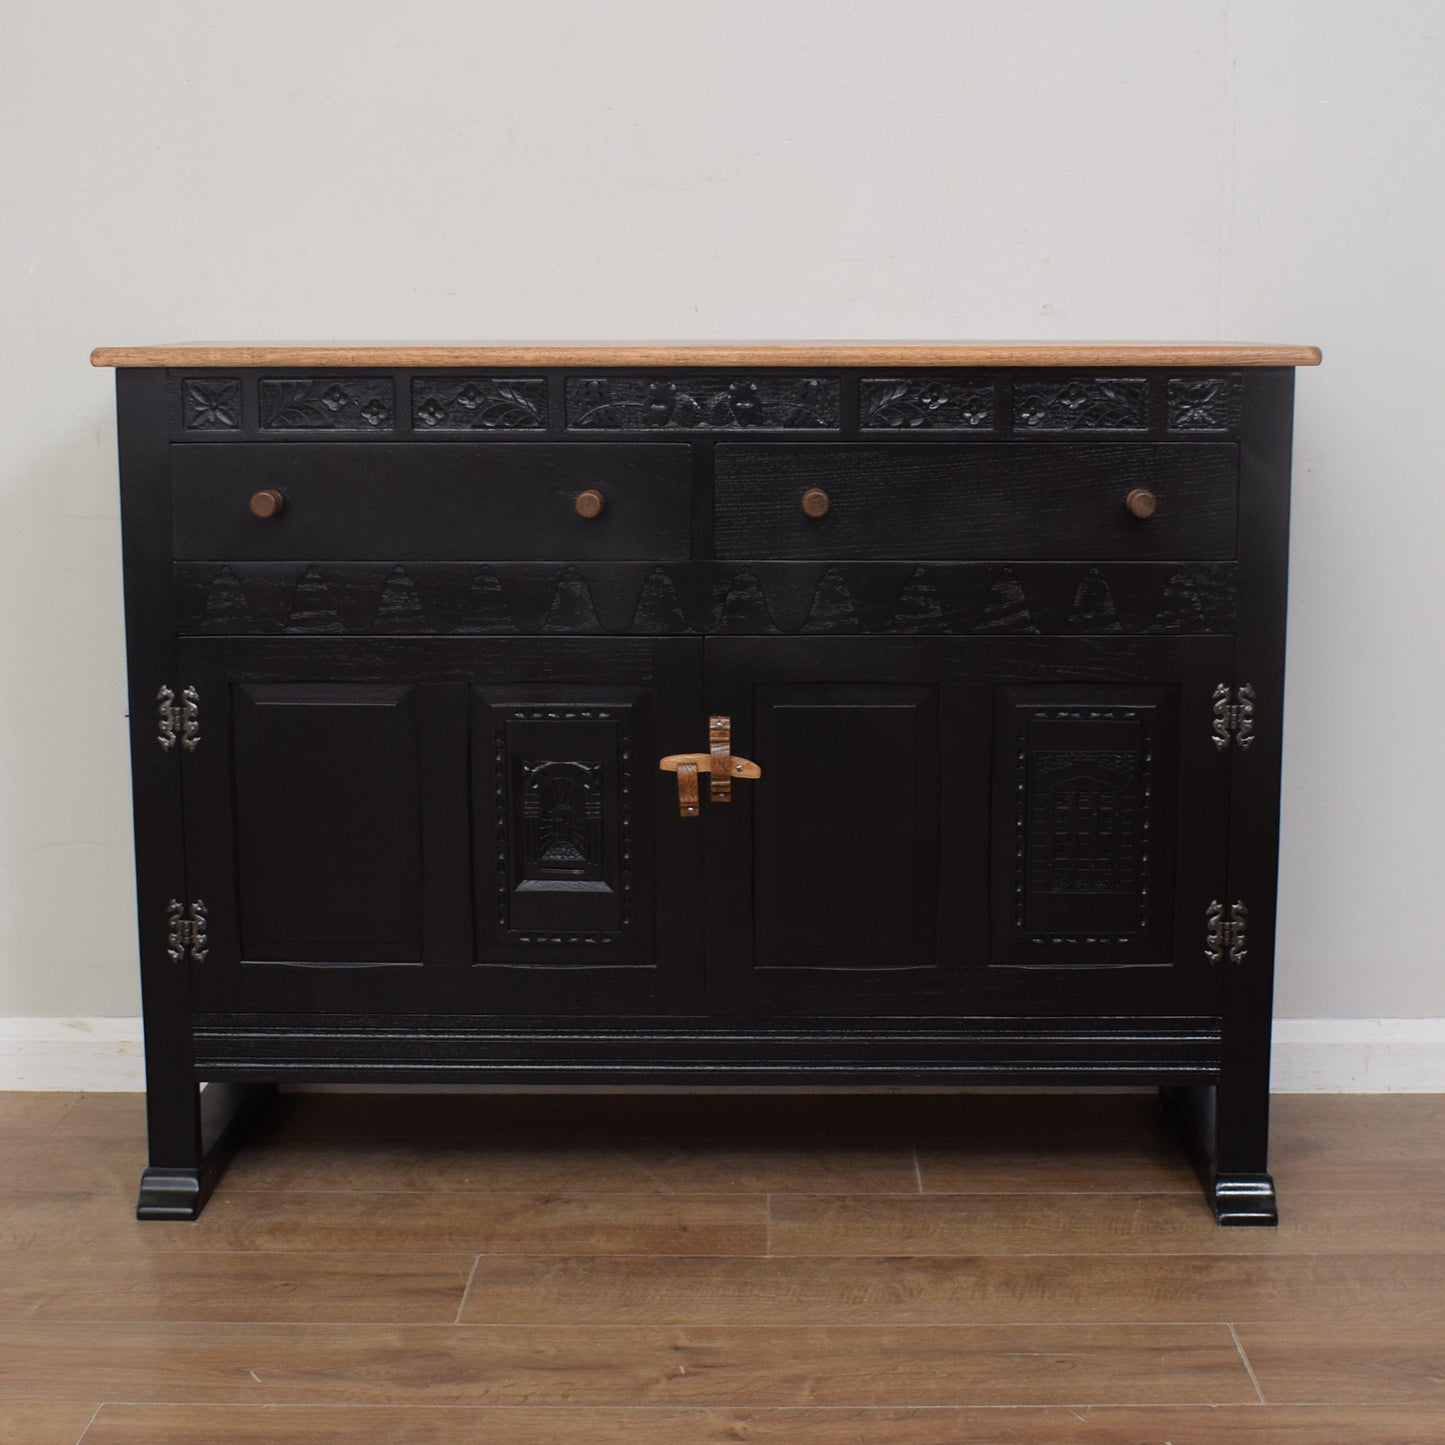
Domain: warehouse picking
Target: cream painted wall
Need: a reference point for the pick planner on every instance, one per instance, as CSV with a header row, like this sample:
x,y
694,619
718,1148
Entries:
x,y
468,169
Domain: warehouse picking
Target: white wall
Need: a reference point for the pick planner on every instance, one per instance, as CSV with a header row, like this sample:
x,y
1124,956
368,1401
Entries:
x,y
469,169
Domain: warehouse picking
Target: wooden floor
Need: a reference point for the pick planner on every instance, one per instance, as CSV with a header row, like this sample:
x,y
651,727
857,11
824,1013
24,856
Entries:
x,y
986,1269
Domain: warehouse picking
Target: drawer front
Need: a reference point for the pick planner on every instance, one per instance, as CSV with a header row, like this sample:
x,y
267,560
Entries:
x,y
1017,501
431,501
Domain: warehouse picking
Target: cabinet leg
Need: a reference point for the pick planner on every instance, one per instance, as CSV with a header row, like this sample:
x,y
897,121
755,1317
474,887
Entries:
x,y
1228,1137
192,1140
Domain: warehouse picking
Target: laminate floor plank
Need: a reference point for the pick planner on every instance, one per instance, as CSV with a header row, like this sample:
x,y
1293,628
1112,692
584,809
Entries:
x,y
1028,1163
62,1284
649,1366
1358,1143
974,1224
435,1222
942,1290
26,1115
28,1422
53,1164
1387,1364
619,1425
104,1116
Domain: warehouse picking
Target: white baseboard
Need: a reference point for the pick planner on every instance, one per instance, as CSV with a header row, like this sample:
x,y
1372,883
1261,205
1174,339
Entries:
x,y
1311,1056
93,1055
1358,1056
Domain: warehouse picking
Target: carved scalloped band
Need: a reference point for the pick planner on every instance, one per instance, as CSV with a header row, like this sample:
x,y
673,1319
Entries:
x,y
699,598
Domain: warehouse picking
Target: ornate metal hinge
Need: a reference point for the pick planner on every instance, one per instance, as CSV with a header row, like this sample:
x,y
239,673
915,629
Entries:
x,y
186,931
1233,716
178,721
1225,937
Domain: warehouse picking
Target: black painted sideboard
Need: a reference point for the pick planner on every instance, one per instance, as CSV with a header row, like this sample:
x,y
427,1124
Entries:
x,y
782,716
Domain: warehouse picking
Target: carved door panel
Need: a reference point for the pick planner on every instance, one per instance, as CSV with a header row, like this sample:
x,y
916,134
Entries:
x,y
458,825
959,826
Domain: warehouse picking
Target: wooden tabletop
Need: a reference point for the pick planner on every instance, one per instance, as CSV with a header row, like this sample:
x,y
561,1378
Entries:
x,y
725,354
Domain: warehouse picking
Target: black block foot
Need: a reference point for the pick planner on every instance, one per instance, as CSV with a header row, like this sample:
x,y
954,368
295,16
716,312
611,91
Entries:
x,y
1243,1199
227,1112
169,1194
1237,1197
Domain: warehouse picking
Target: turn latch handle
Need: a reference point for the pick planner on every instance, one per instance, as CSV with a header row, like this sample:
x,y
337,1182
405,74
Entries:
x,y
719,763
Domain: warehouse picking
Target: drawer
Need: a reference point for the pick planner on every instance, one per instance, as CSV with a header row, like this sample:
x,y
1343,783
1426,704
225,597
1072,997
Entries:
x,y
431,501
1016,501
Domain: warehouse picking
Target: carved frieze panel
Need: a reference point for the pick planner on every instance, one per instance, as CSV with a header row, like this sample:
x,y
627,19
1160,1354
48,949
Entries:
x,y
894,403
1096,403
643,403
478,403
328,403
211,403
1204,403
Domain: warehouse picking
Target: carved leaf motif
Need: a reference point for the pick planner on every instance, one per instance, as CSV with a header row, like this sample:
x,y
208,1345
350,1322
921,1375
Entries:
x,y
485,403
888,403
334,403
640,403
1104,403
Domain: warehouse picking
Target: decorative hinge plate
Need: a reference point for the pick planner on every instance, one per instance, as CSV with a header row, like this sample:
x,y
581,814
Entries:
x,y
1233,716
178,722
186,931
1225,937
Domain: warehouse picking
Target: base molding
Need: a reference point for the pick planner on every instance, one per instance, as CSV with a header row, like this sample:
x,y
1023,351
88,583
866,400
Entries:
x,y
1311,1056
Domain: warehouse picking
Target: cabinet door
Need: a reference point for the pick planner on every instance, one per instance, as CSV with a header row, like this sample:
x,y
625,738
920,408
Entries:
x,y
959,826
458,825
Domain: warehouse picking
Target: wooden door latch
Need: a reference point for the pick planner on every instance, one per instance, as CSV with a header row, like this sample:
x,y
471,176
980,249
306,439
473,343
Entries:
x,y
718,763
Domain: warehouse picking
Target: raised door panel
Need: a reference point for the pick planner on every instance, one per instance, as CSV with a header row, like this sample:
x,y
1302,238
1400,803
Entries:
x,y
1027,828
325,830
328,822
828,894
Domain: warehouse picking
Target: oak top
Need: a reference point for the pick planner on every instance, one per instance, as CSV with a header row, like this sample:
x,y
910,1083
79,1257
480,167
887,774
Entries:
x,y
713,354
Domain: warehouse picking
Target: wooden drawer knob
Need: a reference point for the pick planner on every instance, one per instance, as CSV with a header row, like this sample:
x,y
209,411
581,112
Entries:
x,y
589,503
816,502
269,503
1142,503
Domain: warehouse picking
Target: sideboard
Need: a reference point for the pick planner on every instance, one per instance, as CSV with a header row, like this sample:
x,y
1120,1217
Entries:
x,y
706,715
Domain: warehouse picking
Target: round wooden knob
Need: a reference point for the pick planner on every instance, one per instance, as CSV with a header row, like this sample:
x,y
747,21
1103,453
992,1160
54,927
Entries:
x,y
1142,503
816,502
268,503
589,503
